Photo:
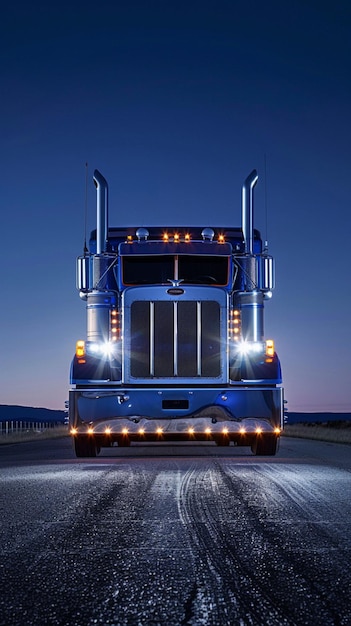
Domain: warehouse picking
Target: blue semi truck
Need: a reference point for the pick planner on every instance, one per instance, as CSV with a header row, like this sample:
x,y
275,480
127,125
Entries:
x,y
175,347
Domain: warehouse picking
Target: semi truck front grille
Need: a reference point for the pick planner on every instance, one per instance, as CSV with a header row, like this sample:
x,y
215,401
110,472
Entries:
x,y
175,339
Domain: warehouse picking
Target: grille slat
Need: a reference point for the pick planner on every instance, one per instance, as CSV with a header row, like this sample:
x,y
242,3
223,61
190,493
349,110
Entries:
x,y
152,339
175,339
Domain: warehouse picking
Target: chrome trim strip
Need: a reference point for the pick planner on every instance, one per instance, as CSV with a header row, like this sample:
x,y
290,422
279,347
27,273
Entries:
x,y
175,338
152,338
198,337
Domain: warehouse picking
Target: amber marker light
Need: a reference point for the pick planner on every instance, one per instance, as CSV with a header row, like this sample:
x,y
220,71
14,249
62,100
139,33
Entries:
x,y
258,431
221,239
269,347
90,430
73,431
176,237
107,431
159,431
124,431
141,431
187,237
208,430
242,431
191,430
165,237
225,430
80,348
277,431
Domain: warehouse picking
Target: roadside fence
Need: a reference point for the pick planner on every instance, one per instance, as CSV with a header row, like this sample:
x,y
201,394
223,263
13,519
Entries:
x,y
20,427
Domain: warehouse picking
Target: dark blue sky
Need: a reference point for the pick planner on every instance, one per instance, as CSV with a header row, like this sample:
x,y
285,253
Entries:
x,y
175,103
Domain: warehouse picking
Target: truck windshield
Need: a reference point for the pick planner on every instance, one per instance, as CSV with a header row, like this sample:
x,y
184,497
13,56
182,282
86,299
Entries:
x,y
190,269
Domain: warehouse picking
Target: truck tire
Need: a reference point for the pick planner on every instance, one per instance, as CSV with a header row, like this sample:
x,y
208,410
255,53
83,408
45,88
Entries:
x,y
84,447
264,445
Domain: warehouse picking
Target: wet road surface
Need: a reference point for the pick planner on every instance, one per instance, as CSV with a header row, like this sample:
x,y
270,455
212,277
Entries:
x,y
175,536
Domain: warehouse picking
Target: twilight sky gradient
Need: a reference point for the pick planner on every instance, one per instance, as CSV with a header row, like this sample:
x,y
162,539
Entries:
x,y
175,103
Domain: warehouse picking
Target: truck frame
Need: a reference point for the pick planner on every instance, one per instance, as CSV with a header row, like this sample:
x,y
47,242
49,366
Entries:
x,y
175,347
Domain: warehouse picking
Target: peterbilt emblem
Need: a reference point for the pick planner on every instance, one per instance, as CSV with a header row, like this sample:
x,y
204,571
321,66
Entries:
x,y
175,291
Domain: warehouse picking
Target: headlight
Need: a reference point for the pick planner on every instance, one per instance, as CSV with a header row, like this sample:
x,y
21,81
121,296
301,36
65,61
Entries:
x,y
250,347
99,349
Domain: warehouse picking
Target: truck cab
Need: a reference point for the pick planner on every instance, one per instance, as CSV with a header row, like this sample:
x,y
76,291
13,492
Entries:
x,y
175,347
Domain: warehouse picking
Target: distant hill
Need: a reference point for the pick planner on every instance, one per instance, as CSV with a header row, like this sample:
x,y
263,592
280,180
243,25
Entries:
x,y
30,414
309,418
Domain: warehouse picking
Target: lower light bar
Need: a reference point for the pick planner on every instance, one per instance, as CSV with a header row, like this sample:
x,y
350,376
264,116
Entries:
x,y
188,431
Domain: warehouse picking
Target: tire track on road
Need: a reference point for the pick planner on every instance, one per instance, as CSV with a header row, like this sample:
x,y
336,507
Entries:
x,y
294,544
225,590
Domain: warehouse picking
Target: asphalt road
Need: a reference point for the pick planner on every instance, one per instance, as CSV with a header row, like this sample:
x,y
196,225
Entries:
x,y
175,535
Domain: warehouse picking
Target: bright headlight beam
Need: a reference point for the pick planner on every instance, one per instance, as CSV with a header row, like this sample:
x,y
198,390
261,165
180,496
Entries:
x,y
250,347
106,349
103,349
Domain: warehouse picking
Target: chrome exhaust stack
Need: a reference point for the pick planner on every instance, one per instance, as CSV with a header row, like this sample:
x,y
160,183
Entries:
x,y
251,299
91,268
99,298
101,212
247,211
249,261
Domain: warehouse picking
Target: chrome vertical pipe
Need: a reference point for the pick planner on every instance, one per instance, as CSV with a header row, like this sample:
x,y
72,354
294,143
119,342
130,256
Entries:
x,y
101,212
247,211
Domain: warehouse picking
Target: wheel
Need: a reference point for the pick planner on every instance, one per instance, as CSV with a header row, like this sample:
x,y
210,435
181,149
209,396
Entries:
x,y
84,446
264,445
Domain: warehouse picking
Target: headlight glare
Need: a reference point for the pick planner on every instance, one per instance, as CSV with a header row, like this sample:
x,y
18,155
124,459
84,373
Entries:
x,y
250,347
